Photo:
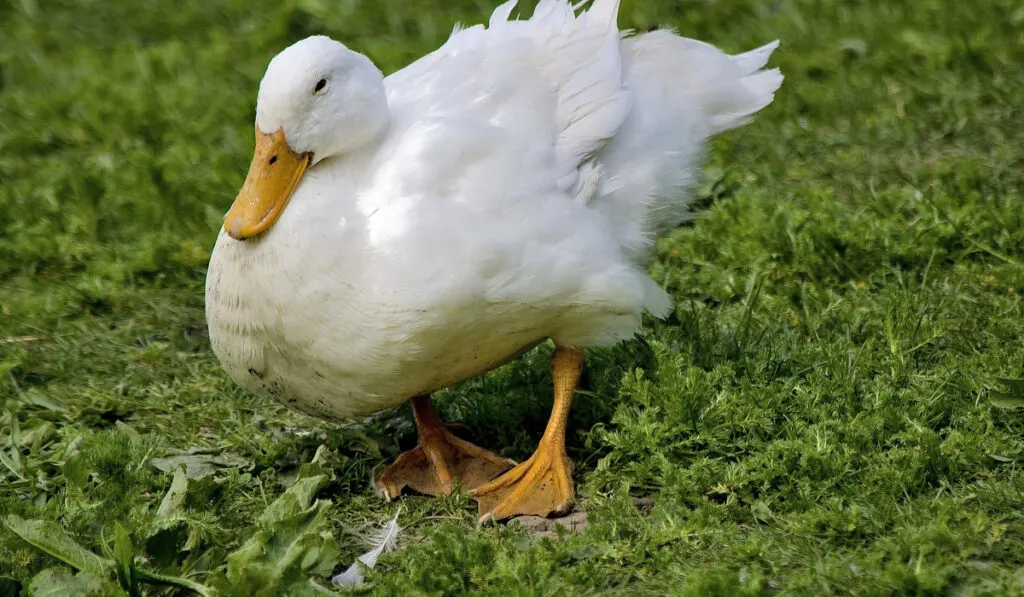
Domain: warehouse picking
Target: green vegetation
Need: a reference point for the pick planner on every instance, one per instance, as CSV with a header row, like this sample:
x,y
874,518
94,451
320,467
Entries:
x,y
831,409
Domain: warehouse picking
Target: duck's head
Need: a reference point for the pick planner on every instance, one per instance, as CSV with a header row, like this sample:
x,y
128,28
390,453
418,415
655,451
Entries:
x,y
317,99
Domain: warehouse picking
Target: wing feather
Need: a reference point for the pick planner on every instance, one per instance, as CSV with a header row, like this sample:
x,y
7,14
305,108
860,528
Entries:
x,y
559,64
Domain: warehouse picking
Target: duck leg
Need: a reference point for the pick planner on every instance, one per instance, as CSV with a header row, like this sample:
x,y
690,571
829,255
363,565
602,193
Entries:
x,y
543,484
438,458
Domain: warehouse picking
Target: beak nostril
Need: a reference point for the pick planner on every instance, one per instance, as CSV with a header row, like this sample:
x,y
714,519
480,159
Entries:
x,y
273,160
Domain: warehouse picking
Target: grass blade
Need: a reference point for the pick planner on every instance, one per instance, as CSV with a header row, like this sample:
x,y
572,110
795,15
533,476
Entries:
x,y
52,539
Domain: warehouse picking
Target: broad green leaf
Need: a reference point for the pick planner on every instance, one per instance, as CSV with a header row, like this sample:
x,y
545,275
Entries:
x,y
166,541
12,459
175,496
271,553
174,581
36,435
1001,400
999,458
200,462
310,588
124,560
295,500
36,398
62,582
293,541
59,582
52,539
1015,386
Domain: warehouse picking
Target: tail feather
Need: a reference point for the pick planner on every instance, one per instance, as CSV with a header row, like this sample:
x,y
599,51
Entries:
x,y
683,92
754,60
731,89
761,87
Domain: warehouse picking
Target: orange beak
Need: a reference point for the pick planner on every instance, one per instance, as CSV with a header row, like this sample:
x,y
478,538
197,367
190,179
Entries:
x,y
273,175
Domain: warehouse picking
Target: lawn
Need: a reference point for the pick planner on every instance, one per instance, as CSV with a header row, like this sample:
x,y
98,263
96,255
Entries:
x,y
831,409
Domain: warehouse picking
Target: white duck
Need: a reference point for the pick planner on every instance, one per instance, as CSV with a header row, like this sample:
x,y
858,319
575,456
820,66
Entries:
x,y
396,235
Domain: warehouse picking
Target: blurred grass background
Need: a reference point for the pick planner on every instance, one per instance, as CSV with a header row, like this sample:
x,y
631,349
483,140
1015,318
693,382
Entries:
x,y
818,417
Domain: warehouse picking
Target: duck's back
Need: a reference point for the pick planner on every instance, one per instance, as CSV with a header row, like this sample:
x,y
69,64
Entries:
x,y
565,103
540,95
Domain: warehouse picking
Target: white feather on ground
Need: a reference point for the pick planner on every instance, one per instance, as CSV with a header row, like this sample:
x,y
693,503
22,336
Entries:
x,y
383,540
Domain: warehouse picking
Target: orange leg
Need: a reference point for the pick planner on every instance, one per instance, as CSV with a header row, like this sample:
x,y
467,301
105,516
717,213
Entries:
x,y
543,484
438,458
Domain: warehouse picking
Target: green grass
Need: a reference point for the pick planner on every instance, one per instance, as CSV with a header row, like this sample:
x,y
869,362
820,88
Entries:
x,y
822,415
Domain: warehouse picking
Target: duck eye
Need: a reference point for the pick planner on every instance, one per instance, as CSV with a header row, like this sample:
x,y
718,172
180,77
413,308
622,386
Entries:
x,y
320,85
